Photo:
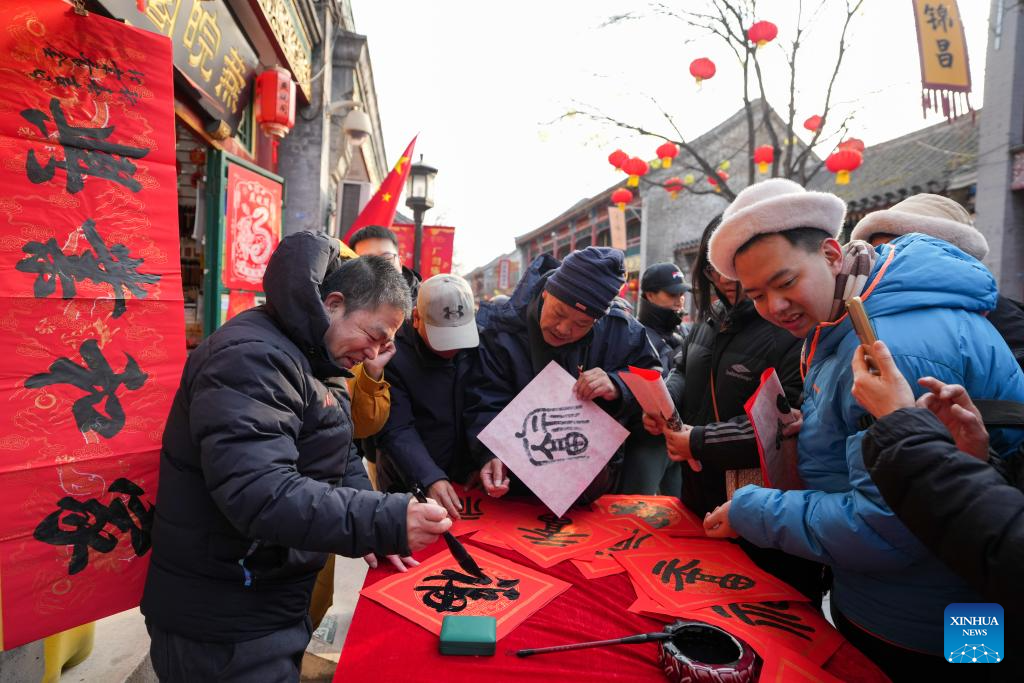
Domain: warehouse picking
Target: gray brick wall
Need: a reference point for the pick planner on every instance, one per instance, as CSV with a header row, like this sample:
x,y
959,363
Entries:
x,y
1000,212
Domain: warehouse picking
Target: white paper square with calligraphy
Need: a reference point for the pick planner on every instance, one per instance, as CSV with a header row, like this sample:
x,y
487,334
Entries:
x,y
554,442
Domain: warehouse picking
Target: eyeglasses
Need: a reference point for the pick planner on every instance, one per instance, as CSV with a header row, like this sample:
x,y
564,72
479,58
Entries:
x,y
389,256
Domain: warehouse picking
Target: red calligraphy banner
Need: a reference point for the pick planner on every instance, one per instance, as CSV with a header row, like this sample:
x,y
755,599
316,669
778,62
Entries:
x,y
435,253
91,311
252,228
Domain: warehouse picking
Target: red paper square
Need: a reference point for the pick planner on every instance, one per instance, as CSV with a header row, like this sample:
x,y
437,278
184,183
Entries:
x,y
665,513
697,574
640,537
408,593
786,666
547,540
480,511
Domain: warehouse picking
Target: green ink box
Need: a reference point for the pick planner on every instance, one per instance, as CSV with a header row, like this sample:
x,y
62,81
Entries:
x,y
468,635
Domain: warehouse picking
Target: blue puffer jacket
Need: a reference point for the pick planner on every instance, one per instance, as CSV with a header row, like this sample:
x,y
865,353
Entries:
x,y
926,299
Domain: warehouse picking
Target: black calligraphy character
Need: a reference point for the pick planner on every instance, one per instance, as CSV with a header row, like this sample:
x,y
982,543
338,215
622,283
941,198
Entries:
x,y
945,57
553,533
86,152
690,573
632,542
470,508
112,266
554,433
938,17
450,597
100,382
83,524
771,614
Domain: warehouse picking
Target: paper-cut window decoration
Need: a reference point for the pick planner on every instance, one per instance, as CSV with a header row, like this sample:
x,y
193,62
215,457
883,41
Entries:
x,y
555,443
426,594
664,513
703,573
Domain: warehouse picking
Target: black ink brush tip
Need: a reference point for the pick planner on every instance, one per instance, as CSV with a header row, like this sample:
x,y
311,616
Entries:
x,y
458,550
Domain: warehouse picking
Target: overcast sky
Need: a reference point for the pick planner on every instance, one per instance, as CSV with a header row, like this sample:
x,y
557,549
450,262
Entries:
x,y
484,84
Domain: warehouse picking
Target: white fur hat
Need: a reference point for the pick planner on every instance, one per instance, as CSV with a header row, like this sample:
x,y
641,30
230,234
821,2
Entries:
x,y
773,205
931,214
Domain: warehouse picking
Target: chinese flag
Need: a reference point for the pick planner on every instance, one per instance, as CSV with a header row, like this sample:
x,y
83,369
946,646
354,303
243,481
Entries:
x,y
380,210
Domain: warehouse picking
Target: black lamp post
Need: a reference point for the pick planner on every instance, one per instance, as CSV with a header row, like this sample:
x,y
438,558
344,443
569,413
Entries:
x,y
419,196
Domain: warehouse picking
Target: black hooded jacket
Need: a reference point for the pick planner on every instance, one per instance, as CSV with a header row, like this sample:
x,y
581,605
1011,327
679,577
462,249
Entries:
x,y
510,356
721,365
258,476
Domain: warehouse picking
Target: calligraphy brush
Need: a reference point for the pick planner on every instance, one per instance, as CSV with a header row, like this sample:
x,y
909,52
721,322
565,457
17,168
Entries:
x,y
627,640
458,550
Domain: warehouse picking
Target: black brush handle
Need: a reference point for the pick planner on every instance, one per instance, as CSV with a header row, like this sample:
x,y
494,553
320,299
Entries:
x,y
628,640
458,550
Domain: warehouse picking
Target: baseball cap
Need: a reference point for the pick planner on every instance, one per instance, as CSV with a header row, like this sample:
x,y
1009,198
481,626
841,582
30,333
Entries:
x,y
663,277
445,303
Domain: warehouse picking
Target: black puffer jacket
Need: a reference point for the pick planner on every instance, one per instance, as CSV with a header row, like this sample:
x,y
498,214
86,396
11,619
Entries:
x,y
1008,319
735,352
967,512
258,477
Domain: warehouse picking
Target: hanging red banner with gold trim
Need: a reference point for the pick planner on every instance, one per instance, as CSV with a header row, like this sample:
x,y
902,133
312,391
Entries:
x,y
945,69
91,311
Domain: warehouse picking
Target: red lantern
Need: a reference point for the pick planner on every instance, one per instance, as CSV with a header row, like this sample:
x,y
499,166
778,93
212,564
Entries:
x,y
852,143
634,285
197,155
667,152
762,33
702,68
635,167
618,158
274,103
621,197
813,123
763,156
674,186
841,162
713,181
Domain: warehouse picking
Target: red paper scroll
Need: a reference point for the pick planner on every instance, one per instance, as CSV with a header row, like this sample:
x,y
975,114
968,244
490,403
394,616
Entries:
x,y
91,311
699,574
252,228
665,513
439,587
435,253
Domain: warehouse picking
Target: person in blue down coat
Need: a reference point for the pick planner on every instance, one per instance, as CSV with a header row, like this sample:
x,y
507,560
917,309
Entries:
x,y
559,312
926,299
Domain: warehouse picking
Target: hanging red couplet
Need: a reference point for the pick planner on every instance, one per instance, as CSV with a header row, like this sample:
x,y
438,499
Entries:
x,y
91,311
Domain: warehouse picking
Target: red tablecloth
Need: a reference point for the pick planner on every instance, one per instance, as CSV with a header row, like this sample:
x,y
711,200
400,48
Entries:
x,y
383,646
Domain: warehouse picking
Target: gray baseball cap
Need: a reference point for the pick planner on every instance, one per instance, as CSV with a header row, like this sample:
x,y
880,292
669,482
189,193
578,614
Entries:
x,y
445,303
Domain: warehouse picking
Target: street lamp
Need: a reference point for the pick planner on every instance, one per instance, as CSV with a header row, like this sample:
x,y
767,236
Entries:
x,y
419,196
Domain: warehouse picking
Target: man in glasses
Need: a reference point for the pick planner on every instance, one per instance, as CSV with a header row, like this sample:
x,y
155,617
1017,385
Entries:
x,y
374,240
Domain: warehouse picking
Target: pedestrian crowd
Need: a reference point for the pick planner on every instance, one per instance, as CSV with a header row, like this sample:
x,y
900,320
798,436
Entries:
x,y
300,427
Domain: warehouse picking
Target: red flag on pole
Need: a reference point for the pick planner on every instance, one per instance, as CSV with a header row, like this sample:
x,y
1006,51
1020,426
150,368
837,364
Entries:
x,y
380,210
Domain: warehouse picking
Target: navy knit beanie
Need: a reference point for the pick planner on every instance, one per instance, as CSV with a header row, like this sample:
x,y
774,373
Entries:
x,y
589,279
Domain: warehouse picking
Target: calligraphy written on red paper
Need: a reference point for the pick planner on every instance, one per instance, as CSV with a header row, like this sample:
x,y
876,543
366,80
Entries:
x,y
508,591
603,562
547,539
702,573
91,311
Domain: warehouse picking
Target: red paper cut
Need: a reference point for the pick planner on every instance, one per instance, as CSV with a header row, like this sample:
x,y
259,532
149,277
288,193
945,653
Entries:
x,y
699,574
92,340
439,587
252,227
546,539
665,513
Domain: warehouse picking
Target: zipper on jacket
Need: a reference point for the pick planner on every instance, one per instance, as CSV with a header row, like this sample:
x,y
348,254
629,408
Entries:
x,y
246,574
